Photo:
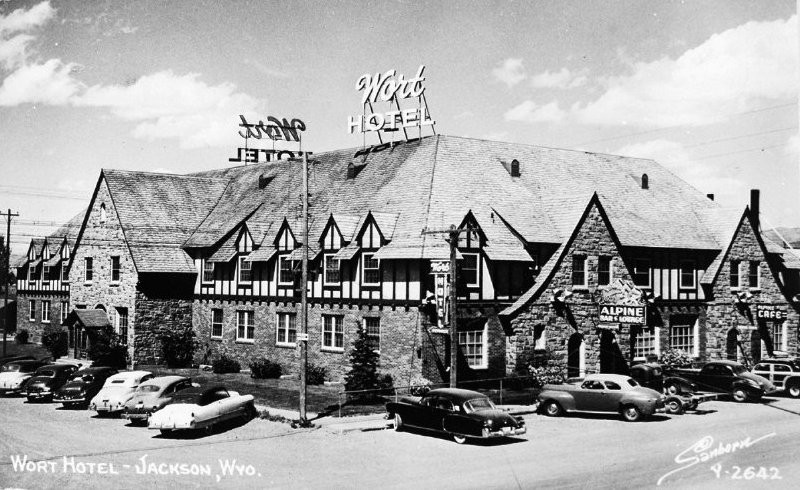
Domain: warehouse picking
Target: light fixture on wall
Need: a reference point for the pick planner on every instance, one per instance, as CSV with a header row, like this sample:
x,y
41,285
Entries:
x,y
560,296
742,298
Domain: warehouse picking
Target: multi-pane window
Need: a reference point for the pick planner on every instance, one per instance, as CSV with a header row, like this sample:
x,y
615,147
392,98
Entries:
x,y
64,271
285,272
287,329
122,325
371,269
604,271
31,273
687,274
331,270
469,269
579,270
32,310
45,273
245,270
646,343
216,322
88,271
641,272
46,311
208,271
777,336
754,274
333,332
115,268
372,326
735,273
473,347
64,310
245,328
682,335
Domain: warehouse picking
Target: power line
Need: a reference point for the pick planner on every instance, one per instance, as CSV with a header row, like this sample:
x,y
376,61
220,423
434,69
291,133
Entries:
x,y
743,136
759,148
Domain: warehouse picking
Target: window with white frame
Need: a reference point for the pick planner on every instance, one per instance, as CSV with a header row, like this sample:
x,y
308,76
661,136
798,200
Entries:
x,y
473,346
331,271
115,269
687,274
32,310
370,270
285,271
286,329
208,271
245,271
754,275
579,276
45,273
122,325
64,271
372,326
216,323
778,331
88,269
605,273
45,312
470,269
245,327
641,272
734,271
31,273
647,343
683,332
64,310
333,332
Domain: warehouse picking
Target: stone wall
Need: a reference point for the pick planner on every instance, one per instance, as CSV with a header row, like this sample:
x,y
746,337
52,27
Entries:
x,y
399,343
155,317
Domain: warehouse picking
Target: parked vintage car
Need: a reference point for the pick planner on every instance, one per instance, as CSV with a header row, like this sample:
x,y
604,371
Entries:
x,y
728,377
83,385
15,375
201,408
651,375
784,373
47,379
602,393
460,413
153,395
117,391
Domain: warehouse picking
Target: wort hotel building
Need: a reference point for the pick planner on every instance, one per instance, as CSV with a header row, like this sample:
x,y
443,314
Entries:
x,y
591,261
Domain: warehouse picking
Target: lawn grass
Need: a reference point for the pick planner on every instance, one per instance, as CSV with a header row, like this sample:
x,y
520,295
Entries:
x,y
33,350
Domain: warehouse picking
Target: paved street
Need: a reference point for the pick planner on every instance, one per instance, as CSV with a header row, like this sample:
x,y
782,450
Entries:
x,y
571,452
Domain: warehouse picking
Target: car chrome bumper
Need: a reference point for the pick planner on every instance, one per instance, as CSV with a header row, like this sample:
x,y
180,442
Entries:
x,y
39,395
61,399
136,415
504,433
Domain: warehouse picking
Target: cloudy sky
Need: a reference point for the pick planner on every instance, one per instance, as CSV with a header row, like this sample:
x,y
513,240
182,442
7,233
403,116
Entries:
x,y
708,88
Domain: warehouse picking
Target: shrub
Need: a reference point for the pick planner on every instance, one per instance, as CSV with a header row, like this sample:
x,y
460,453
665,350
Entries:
x,y
178,348
225,364
676,358
54,339
105,349
315,375
265,369
418,386
22,336
542,375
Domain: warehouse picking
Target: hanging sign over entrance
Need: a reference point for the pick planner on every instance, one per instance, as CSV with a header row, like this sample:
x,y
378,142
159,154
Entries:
x,y
771,312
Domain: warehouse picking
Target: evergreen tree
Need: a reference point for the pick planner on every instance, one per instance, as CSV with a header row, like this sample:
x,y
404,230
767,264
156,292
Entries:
x,y
363,374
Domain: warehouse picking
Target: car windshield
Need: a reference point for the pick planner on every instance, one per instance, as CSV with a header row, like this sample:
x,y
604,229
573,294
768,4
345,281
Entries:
x,y
149,389
11,368
478,404
46,372
632,382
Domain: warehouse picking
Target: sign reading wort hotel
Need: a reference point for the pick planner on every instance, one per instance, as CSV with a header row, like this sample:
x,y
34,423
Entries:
x,y
274,130
390,87
622,314
771,312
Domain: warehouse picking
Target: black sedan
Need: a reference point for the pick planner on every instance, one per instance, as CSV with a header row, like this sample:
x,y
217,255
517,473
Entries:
x,y
83,385
460,413
47,380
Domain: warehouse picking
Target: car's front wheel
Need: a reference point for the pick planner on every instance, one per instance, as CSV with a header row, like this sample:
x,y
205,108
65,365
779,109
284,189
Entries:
x,y
672,389
398,422
739,395
631,413
552,409
459,439
794,390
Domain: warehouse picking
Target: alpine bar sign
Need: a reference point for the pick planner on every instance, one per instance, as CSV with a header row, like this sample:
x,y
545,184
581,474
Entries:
x,y
622,314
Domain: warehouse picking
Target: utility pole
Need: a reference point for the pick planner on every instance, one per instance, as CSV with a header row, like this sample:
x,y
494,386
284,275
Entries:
x,y
6,266
453,234
303,338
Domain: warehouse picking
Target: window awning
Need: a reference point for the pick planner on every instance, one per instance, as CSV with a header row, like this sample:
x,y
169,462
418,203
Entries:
x,y
223,254
297,254
263,254
348,252
55,259
34,263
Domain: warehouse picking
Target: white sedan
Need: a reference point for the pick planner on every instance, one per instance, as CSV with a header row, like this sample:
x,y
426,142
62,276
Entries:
x,y
201,408
117,390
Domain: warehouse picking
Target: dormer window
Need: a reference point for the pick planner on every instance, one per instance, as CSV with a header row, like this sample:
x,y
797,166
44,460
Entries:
x,y
64,272
515,168
641,272
469,269
645,181
103,214
208,271
245,271
45,273
331,270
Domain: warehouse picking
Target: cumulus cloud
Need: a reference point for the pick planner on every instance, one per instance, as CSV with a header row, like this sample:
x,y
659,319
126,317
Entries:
x,y
23,20
530,111
46,83
563,78
511,72
735,70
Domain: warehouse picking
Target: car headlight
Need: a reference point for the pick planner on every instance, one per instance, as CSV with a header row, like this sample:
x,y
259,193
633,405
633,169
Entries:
x,y
488,423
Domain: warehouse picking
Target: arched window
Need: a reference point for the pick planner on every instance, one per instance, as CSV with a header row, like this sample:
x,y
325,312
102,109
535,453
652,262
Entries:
x,y
515,168
103,214
645,181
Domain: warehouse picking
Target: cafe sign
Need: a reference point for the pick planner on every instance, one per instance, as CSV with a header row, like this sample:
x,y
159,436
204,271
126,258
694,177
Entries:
x,y
771,312
634,315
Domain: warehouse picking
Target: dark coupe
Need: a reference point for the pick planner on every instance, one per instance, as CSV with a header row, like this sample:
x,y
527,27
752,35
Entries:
x,y
460,413
47,380
83,385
